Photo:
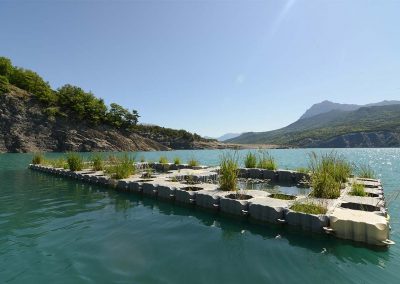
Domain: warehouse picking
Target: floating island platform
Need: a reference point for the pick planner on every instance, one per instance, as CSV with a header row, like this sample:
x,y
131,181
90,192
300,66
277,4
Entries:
x,y
361,219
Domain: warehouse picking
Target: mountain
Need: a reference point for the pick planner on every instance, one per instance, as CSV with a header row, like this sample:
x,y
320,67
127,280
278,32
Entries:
x,y
33,117
375,125
327,106
228,136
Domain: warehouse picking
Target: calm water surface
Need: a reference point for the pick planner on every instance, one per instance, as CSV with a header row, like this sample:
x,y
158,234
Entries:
x,y
55,230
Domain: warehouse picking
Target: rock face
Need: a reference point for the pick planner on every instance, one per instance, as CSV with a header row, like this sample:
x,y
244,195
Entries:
x,y
25,127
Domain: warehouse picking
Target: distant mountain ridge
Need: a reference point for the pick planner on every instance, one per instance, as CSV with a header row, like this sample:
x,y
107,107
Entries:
x,y
336,125
327,106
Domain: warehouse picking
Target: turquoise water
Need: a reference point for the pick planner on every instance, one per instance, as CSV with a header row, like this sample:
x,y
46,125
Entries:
x,y
55,230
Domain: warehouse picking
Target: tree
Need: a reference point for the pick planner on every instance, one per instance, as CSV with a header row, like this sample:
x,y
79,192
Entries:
x,y
119,116
5,67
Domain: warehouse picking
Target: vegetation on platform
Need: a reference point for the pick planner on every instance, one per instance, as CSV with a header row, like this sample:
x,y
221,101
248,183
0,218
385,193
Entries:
x,y
309,208
358,189
75,162
229,172
250,161
328,173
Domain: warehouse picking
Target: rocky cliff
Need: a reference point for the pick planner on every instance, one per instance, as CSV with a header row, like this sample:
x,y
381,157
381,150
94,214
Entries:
x,y
25,127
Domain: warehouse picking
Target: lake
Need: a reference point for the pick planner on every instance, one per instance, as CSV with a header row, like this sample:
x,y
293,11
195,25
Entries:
x,y
57,230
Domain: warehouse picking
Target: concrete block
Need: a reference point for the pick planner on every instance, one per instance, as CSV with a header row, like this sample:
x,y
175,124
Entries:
x,y
208,199
309,222
268,209
269,174
166,192
150,189
286,176
187,194
360,226
255,173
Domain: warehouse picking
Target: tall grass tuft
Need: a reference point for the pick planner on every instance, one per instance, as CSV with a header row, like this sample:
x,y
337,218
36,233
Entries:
x,y
163,160
97,162
266,161
229,171
328,173
75,162
366,171
121,168
59,163
38,159
193,162
358,189
177,161
250,161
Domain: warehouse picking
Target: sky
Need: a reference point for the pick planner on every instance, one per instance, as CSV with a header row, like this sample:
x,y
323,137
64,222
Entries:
x,y
211,67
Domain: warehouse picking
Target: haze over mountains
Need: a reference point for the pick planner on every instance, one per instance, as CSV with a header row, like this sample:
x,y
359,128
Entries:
x,y
329,124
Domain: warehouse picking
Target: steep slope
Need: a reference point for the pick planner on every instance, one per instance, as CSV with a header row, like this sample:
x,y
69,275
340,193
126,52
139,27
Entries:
x,y
25,126
376,126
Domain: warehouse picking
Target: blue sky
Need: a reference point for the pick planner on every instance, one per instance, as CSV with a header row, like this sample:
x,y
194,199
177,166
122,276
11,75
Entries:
x,y
211,67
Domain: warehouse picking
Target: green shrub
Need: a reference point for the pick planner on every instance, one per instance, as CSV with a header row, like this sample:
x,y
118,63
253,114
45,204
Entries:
x,y
309,208
75,162
5,67
266,161
229,171
163,160
328,173
4,85
250,160
38,159
97,162
193,162
358,190
142,159
177,161
366,171
121,167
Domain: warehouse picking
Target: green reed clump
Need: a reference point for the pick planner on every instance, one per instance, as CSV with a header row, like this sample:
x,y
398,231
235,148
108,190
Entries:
x,y
121,168
366,171
229,171
75,162
59,163
163,160
309,208
38,159
358,189
177,161
250,161
266,161
328,173
193,162
142,159
97,162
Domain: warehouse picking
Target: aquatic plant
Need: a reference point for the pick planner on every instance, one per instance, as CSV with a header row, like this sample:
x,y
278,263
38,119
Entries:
x,y
121,167
163,160
250,160
358,189
282,196
366,171
266,161
148,173
309,208
193,162
38,159
229,171
59,163
177,161
75,162
97,162
328,173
